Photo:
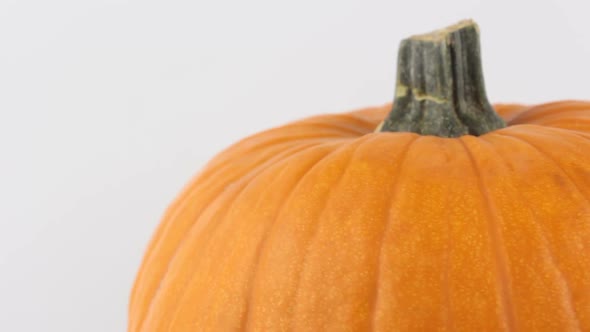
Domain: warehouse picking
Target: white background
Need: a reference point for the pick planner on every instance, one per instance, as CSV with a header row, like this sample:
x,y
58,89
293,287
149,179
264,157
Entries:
x,y
107,108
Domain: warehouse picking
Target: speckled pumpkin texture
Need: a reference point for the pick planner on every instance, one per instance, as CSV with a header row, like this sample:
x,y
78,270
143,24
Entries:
x,y
326,225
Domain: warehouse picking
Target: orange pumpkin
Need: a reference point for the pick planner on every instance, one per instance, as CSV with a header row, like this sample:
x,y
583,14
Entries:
x,y
328,225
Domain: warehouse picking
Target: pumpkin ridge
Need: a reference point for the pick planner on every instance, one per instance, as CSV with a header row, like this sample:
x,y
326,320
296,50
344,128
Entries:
x,y
551,108
345,145
178,249
565,131
572,182
313,236
566,303
201,180
334,121
344,122
262,244
249,144
335,125
246,177
554,120
375,296
496,243
554,162
244,322
449,317
242,191
318,153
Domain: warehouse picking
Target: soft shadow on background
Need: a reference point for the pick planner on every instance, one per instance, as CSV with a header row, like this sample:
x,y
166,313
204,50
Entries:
x,y
109,107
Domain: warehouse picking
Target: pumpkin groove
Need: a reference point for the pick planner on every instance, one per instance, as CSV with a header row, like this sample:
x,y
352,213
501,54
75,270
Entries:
x,y
320,156
245,180
496,238
546,248
575,189
190,194
321,217
244,323
386,229
309,236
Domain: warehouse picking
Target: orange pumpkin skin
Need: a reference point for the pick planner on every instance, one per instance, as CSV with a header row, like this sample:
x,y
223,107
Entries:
x,y
325,225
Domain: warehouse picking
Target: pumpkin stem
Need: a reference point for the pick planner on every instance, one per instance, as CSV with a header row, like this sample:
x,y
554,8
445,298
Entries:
x,y
440,88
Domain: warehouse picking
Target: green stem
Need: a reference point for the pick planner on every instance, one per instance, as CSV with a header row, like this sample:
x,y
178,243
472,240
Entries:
x,y
440,87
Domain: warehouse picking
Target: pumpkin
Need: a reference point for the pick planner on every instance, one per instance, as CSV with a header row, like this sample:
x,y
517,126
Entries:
x,y
452,216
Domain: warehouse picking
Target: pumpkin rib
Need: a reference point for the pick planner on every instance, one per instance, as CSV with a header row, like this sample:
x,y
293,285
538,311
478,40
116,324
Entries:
x,y
270,166
273,158
287,134
192,191
234,201
572,125
210,173
170,216
252,296
585,135
375,296
543,115
553,161
345,122
331,122
220,221
244,325
550,109
156,296
565,287
313,232
249,145
448,314
352,131
578,118
567,176
497,244
330,131
250,181
449,317
574,184
223,160
258,253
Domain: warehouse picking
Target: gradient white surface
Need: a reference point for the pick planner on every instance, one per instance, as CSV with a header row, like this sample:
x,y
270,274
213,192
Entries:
x,y
109,107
